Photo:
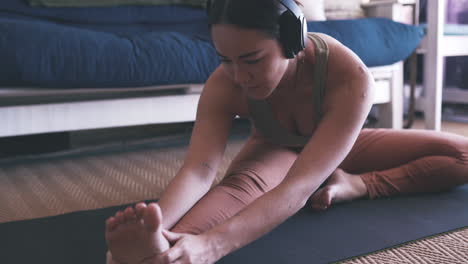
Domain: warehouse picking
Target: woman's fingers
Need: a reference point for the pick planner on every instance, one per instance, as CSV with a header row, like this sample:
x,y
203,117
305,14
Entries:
x,y
171,236
179,261
175,254
171,256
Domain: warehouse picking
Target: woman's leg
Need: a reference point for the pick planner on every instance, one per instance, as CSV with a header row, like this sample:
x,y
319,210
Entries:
x,y
257,168
392,162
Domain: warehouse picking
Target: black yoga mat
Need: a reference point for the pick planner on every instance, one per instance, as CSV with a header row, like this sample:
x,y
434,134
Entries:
x,y
344,231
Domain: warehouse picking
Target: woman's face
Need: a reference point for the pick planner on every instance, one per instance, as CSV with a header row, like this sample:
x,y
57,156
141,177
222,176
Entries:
x,y
250,58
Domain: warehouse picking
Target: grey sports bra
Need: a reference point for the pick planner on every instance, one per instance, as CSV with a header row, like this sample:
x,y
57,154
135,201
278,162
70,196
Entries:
x,y
263,118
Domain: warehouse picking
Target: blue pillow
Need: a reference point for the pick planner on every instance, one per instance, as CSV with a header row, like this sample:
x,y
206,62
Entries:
x,y
377,41
45,54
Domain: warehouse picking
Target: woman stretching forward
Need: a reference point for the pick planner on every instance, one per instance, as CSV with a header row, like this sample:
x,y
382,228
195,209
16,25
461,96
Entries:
x,y
307,96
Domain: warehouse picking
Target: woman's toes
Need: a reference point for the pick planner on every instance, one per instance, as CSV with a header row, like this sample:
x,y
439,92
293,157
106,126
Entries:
x,y
327,198
119,216
135,240
321,200
315,199
109,259
153,217
129,214
140,210
111,224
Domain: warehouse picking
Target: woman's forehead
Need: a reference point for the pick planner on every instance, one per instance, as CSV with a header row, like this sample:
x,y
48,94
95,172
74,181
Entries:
x,y
230,29
234,39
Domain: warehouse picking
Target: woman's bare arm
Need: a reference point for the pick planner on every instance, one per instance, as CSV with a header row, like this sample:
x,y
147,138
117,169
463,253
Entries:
x,y
207,144
347,104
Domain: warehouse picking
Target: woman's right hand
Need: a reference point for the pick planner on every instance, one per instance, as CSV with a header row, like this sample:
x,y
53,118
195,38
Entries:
x,y
186,249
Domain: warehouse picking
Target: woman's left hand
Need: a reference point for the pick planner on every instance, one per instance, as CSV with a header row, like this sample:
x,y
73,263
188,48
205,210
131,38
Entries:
x,y
186,249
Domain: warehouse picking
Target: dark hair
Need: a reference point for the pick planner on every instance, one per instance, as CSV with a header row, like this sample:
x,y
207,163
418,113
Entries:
x,y
251,14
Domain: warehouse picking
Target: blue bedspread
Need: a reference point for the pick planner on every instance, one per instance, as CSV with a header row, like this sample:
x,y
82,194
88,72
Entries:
x,y
52,55
105,15
141,46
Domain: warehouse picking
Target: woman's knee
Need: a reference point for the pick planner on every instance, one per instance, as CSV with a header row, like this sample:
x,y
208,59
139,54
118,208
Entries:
x,y
459,149
446,144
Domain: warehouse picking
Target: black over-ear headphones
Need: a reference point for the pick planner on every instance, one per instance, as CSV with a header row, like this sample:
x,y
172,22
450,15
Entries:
x,y
293,27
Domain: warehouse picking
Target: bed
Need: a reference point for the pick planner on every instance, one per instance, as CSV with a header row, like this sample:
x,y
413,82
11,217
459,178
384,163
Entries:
x,y
68,69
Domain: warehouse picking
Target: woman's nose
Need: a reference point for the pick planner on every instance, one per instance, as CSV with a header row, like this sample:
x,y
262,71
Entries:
x,y
241,76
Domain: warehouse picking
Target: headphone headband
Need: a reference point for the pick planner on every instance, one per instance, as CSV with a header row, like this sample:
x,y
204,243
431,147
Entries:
x,y
292,7
293,27
288,4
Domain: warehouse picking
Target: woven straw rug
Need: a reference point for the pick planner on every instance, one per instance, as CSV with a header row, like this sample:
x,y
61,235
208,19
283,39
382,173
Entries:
x,y
88,179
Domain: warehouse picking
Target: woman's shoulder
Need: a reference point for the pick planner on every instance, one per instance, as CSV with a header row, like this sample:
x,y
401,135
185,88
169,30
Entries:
x,y
310,50
329,40
342,61
345,70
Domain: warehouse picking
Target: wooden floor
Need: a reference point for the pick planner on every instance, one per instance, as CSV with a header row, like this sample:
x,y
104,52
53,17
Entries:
x,y
447,126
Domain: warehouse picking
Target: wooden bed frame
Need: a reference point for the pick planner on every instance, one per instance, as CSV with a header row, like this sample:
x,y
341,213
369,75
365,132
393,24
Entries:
x,y
26,119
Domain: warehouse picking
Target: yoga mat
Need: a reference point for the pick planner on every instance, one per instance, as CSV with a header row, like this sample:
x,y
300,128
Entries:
x,y
345,230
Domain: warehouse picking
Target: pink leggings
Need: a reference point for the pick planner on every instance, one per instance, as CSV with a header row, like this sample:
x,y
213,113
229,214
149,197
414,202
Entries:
x,y
390,162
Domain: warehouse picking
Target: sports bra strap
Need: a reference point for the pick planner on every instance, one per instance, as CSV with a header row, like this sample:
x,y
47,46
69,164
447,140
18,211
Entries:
x,y
320,73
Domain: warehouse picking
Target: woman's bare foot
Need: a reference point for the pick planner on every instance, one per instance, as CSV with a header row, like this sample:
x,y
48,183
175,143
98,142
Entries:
x,y
341,186
135,235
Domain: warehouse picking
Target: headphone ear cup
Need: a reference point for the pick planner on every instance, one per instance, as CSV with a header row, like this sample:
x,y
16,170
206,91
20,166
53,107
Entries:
x,y
304,32
290,34
286,35
300,34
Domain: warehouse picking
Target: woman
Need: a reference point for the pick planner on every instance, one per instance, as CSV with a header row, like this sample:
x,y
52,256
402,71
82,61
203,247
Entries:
x,y
308,97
